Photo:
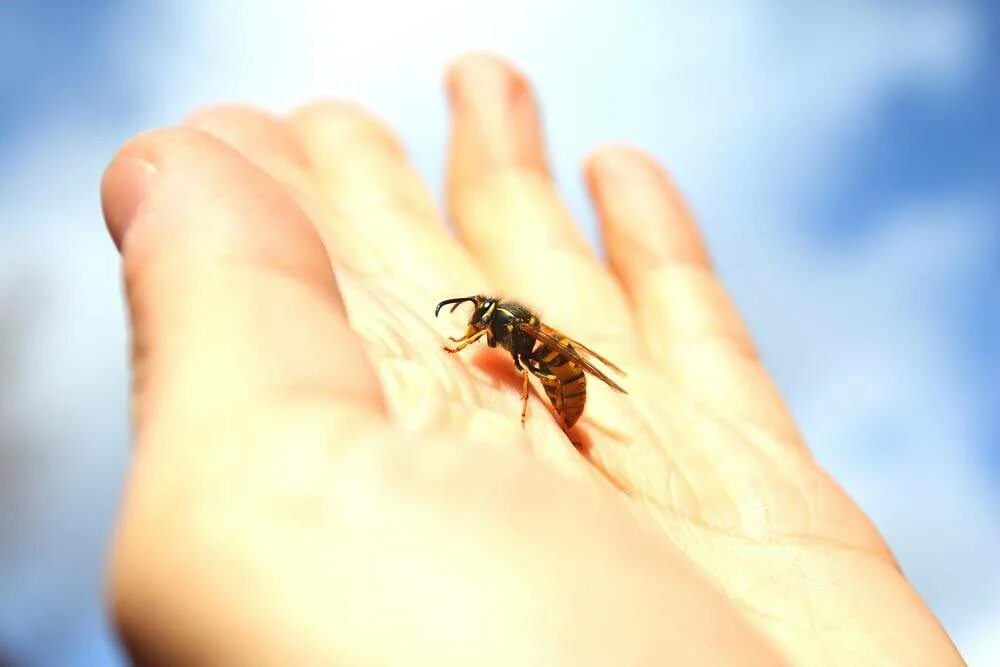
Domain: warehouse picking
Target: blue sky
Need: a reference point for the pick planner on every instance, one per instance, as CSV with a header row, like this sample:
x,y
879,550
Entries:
x,y
843,161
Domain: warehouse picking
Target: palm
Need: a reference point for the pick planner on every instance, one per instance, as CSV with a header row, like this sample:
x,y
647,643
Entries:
x,y
727,479
701,450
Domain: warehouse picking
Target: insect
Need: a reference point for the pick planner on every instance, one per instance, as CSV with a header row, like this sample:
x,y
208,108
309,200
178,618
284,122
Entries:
x,y
554,358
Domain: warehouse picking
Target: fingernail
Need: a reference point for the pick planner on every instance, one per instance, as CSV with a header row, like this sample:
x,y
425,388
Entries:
x,y
124,187
623,168
493,106
629,180
480,83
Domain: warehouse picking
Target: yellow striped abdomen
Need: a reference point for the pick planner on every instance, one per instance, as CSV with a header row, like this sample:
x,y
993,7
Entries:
x,y
567,390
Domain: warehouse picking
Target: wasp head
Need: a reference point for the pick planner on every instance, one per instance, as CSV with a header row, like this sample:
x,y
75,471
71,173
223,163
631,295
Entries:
x,y
482,315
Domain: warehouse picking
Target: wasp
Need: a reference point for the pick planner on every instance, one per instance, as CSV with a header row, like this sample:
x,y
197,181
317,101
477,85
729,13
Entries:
x,y
554,358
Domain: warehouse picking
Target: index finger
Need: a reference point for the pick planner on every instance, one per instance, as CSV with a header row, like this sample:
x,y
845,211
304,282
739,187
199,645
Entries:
x,y
233,302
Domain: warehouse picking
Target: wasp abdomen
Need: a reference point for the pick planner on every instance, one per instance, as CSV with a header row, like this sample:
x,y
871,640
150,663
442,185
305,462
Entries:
x,y
567,388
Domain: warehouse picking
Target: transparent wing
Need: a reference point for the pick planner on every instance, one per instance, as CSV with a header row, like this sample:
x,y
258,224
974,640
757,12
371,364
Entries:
x,y
573,350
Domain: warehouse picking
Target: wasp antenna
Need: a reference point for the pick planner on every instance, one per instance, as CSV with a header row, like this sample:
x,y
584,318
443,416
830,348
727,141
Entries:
x,y
456,301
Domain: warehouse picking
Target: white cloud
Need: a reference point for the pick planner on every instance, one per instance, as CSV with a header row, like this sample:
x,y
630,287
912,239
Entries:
x,y
752,105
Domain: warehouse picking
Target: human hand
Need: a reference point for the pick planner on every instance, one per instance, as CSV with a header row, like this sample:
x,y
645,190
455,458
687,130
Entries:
x,y
316,480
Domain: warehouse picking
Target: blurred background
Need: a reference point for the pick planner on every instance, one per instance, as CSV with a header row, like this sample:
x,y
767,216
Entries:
x,y
843,158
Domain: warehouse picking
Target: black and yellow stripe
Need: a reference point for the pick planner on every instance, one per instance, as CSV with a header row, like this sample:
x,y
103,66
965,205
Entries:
x,y
567,388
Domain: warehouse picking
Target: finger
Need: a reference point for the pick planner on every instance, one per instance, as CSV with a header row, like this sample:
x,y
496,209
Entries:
x,y
383,208
506,208
260,136
682,310
232,299
268,142
357,156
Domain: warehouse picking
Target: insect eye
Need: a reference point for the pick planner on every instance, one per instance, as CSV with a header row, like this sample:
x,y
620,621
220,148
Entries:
x,y
485,312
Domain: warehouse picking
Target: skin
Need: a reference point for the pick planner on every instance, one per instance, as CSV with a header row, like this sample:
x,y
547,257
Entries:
x,y
315,481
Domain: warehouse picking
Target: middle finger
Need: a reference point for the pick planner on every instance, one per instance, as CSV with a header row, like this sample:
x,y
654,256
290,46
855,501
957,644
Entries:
x,y
509,214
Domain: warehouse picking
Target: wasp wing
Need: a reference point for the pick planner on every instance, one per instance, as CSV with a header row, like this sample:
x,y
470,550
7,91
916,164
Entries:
x,y
580,346
572,350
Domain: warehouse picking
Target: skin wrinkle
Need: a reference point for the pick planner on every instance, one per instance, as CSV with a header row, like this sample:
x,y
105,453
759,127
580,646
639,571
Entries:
x,y
640,493
384,326
815,477
773,618
396,379
637,489
678,465
389,316
772,582
806,635
452,394
778,582
646,419
814,628
790,539
460,396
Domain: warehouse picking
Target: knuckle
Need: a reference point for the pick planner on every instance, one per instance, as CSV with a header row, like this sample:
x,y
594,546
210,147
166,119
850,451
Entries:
x,y
335,121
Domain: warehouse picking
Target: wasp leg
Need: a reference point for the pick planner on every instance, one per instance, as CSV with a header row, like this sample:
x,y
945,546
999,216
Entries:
x,y
540,374
524,397
519,367
466,341
548,377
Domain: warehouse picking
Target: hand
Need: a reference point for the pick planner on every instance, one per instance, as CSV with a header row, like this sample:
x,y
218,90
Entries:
x,y
315,480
